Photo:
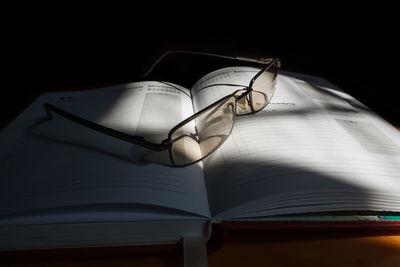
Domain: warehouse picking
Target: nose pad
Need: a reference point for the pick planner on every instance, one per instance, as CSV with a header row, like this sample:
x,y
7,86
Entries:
x,y
228,109
243,106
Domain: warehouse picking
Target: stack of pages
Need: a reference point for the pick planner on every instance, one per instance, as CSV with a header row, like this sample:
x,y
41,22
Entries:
x,y
313,150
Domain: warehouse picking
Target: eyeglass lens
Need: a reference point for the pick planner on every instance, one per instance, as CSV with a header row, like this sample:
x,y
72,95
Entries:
x,y
263,90
205,133
199,137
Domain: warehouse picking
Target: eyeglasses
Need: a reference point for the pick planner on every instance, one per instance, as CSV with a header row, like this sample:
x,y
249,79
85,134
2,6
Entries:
x,y
202,133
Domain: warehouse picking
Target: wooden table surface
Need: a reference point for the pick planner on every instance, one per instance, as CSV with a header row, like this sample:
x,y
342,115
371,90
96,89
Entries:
x,y
353,251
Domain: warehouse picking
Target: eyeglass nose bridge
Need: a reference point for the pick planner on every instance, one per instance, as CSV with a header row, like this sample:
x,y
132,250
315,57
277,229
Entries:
x,y
246,97
247,92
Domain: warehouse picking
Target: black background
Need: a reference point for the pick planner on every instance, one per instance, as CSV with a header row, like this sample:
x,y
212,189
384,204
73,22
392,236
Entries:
x,y
49,55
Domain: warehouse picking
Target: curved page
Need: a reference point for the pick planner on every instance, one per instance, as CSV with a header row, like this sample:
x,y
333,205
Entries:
x,y
59,164
312,142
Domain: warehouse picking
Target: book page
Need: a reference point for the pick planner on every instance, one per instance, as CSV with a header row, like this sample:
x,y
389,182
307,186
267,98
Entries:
x,y
56,164
313,148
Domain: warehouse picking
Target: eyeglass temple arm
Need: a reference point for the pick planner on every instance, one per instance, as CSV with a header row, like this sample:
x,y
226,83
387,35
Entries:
x,y
137,140
260,60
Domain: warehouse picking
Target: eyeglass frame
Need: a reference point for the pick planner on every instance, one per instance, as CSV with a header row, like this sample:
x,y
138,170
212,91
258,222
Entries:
x,y
167,143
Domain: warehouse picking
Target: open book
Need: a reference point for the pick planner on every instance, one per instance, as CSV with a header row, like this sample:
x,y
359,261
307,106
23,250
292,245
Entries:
x,y
313,149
